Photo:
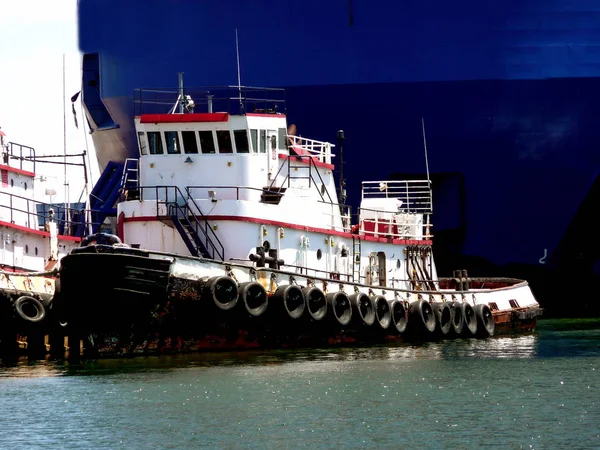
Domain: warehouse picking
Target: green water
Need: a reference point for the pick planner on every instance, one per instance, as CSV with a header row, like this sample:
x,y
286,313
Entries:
x,y
536,391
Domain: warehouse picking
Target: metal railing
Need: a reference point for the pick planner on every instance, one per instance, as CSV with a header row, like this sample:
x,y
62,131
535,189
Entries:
x,y
33,214
231,99
22,153
315,149
172,195
415,195
336,207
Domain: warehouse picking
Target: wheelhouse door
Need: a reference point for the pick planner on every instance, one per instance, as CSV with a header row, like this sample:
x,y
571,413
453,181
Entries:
x,y
273,157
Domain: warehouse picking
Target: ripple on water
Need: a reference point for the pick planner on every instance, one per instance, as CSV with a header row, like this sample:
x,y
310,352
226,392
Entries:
x,y
532,391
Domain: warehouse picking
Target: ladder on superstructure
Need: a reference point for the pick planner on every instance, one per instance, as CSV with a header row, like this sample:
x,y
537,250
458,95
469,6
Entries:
x,y
356,258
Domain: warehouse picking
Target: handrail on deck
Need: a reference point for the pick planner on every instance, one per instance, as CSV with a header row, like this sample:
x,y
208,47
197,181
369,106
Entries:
x,y
414,195
310,147
24,154
23,211
174,195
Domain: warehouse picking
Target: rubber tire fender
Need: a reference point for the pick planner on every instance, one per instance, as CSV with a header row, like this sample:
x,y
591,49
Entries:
x,y
485,320
316,303
341,309
254,297
399,314
422,311
222,291
383,315
25,303
363,305
291,299
443,317
458,318
470,328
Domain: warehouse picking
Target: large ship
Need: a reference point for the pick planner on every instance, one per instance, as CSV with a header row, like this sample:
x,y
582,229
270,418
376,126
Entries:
x,y
496,102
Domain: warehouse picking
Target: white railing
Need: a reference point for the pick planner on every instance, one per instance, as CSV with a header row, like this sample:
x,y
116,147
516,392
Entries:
x,y
396,209
309,147
411,195
338,218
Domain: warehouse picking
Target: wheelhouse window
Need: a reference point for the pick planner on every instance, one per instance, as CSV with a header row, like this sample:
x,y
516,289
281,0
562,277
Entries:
x,y
155,143
241,141
254,137
282,138
172,140
189,142
263,141
143,143
207,142
224,141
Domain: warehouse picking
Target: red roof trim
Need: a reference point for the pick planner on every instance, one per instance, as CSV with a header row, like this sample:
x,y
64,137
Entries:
x,y
184,118
19,171
38,232
296,227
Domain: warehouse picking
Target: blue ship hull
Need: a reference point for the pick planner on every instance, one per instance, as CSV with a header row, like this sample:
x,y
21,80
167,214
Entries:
x,y
508,92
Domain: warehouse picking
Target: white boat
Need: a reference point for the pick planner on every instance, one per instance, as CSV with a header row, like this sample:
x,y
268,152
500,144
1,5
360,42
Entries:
x,y
34,236
231,234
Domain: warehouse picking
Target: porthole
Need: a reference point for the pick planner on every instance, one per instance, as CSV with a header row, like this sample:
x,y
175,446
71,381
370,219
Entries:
x,y
397,264
12,183
26,249
25,186
36,251
319,254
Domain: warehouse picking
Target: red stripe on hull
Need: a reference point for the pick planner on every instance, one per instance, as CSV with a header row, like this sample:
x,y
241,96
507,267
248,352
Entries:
x,y
38,232
295,227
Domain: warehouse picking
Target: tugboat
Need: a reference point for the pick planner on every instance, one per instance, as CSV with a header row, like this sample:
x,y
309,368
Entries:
x,y
231,233
34,236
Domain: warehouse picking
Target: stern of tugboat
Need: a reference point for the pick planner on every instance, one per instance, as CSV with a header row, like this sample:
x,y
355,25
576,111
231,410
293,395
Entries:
x,y
110,291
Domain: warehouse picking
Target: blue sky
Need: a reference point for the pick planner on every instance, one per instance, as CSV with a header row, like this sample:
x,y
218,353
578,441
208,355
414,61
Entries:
x,y
34,36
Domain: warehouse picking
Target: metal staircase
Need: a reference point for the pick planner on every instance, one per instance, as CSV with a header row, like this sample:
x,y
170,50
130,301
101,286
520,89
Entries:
x,y
105,194
198,235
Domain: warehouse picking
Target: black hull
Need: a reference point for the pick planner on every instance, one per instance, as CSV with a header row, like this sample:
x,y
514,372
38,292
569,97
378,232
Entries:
x,y
139,307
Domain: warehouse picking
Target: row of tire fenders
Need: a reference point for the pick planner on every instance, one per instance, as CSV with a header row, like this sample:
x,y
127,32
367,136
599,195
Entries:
x,y
419,317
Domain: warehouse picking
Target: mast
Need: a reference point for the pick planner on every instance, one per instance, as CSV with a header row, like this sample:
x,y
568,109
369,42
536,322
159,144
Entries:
x,y
427,219
66,183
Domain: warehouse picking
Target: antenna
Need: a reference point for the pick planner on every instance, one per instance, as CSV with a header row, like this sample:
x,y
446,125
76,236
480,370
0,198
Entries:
x,y
239,76
427,223
425,147
342,188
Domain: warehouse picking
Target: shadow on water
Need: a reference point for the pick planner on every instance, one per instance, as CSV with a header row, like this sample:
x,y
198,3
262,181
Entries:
x,y
553,338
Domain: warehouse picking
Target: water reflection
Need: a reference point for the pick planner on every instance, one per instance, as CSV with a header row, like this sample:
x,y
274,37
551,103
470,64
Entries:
x,y
560,338
519,347
24,368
